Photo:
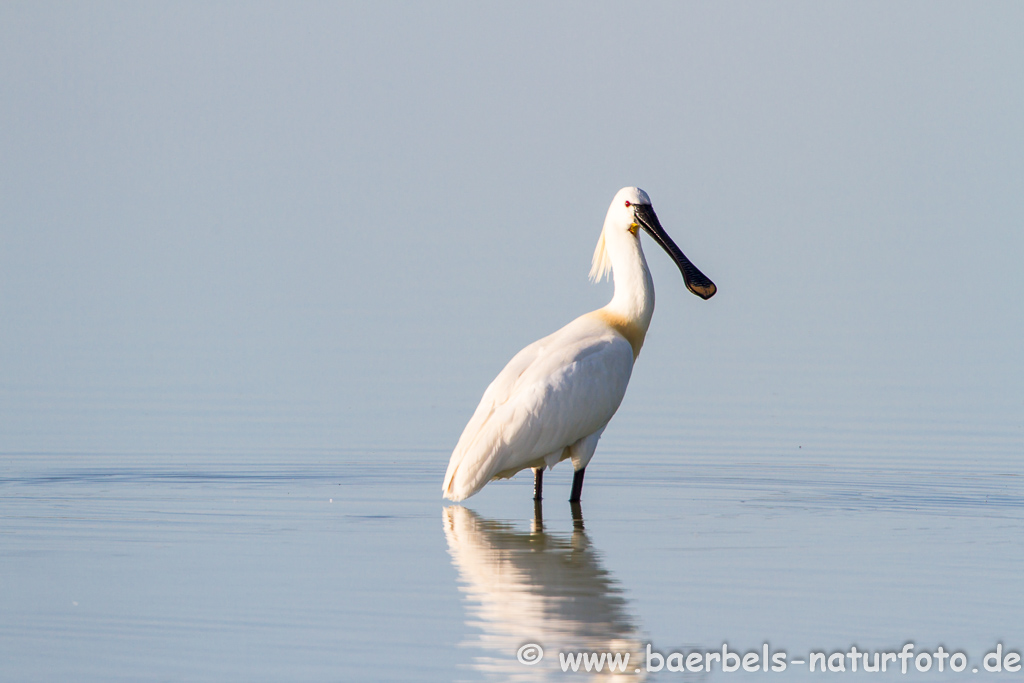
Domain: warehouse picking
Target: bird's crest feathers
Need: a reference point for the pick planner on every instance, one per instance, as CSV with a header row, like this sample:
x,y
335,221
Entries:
x,y
602,264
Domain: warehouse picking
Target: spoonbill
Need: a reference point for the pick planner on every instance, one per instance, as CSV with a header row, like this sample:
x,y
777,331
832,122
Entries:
x,y
555,397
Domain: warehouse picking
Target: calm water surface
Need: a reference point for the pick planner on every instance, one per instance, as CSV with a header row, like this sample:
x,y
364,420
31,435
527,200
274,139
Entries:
x,y
345,564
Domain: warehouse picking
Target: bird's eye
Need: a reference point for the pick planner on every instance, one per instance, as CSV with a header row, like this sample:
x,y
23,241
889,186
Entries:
x,y
627,203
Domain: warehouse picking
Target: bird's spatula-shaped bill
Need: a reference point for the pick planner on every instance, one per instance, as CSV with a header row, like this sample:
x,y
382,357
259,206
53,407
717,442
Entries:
x,y
696,281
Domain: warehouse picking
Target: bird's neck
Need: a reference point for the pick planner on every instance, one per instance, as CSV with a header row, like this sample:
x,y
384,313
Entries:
x,y
633,301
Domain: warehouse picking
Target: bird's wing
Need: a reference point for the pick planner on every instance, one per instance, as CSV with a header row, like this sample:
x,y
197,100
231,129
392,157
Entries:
x,y
551,394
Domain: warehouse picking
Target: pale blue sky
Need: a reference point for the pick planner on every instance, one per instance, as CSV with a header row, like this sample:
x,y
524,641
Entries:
x,y
348,217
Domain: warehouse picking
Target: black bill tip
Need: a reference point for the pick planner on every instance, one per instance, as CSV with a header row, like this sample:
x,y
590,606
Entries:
x,y
705,290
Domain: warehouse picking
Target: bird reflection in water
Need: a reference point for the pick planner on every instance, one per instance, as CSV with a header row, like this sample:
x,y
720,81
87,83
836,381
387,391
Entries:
x,y
538,587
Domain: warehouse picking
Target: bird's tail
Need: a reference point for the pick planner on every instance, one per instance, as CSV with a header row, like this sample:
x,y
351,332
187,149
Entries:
x,y
458,482
465,476
449,489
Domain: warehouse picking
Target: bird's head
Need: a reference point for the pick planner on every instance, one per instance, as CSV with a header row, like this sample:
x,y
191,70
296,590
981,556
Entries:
x,y
622,212
631,210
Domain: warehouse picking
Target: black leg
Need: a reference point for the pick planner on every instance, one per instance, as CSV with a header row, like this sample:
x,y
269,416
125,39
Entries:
x,y
538,482
577,486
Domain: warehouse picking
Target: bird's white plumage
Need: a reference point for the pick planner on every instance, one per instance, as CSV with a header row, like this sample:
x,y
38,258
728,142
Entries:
x,y
552,395
555,397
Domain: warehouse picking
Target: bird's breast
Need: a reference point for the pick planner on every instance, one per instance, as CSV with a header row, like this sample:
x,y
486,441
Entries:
x,y
632,330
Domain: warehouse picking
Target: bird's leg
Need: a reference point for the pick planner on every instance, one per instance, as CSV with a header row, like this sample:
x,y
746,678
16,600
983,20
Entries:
x,y
538,517
538,482
577,486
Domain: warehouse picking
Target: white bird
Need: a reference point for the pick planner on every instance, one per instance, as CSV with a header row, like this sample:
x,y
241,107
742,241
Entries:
x,y
555,397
